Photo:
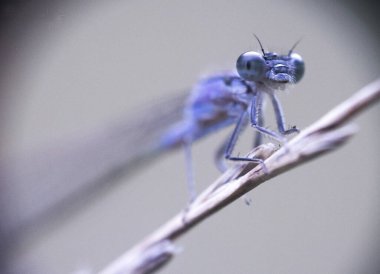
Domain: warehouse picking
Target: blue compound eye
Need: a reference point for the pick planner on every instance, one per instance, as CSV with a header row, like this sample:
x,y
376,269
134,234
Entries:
x,y
298,66
251,66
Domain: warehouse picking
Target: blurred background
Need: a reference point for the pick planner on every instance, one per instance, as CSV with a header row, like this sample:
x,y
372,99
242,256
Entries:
x,y
69,67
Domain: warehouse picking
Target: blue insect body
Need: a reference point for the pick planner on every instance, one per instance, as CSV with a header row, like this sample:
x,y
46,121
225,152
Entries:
x,y
236,98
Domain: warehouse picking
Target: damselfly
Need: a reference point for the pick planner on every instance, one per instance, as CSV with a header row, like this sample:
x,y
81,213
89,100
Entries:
x,y
36,184
237,98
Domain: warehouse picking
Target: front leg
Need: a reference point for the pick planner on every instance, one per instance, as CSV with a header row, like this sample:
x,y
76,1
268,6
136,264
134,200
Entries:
x,y
280,118
256,112
258,136
230,144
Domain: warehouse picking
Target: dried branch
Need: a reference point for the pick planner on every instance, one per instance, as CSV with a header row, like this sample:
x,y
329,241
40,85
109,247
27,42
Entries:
x,y
325,135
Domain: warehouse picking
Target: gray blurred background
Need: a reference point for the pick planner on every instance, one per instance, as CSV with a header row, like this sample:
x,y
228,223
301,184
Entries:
x,y
68,68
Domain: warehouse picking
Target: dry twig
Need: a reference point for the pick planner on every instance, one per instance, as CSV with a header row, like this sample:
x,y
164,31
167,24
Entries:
x,y
325,135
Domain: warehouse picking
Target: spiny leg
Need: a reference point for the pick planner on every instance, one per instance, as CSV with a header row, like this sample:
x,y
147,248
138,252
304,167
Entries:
x,y
256,112
280,118
257,141
259,136
240,125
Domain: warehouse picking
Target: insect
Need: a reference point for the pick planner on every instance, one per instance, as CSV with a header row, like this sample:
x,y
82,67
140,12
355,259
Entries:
x,y
54,177
237,98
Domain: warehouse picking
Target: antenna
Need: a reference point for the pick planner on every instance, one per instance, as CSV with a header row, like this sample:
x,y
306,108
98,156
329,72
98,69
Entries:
x,y
295,44
261,46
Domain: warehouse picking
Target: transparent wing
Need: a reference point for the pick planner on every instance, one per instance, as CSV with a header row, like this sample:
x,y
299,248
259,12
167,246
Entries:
x,y
38,185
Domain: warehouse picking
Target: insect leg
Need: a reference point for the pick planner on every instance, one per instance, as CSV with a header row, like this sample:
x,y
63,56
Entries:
x,y
220,156
259,136
240,125
189,171
256,112
280,116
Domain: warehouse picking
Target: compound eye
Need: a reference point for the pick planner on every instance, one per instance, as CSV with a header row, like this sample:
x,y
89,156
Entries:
x,y
298,65
251,66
